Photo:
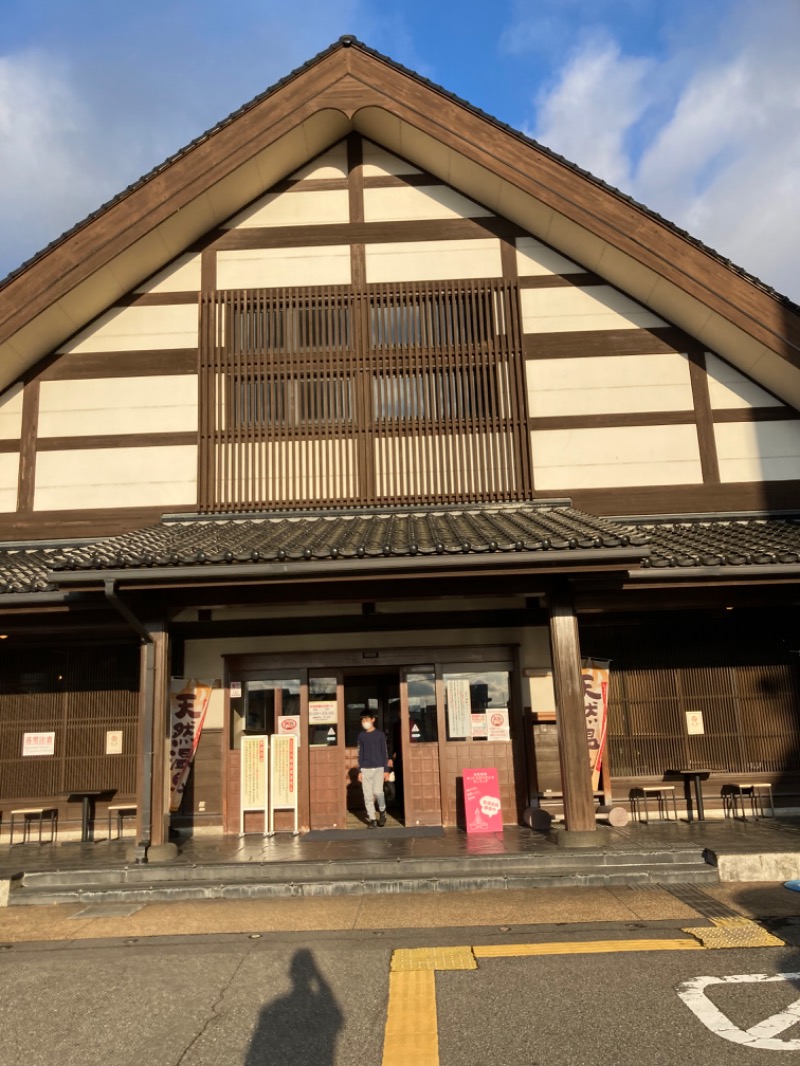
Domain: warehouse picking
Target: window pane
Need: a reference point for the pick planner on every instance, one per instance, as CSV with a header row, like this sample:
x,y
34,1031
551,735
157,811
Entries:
x,y
474,694
322,704
422,708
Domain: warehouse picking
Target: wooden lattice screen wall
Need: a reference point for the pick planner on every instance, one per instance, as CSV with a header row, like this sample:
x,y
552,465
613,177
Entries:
x,y
78,693
412,393
744,681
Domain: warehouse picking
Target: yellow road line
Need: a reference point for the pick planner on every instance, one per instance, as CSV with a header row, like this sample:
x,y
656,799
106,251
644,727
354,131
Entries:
x,y
584,947
411,1035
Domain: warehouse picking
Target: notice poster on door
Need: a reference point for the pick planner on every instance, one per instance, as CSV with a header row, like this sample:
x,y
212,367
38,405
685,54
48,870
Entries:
x,y
482,801
479,726
694,723
289,726
498,723
38,743
459,708
322,712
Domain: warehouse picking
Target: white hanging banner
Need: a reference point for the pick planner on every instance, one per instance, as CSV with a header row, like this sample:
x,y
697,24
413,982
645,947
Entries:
x,y
282,778
253,785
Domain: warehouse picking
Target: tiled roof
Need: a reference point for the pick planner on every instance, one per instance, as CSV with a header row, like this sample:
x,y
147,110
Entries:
x,y
666,545
357,535
24,570
722,542
349,41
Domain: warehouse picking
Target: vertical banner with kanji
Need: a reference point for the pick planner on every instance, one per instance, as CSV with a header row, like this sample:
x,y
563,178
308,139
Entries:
x,y
594,674
188,703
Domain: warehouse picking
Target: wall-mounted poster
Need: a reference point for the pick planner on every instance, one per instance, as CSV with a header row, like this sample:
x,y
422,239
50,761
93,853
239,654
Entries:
x,y
694,723
459,708
322,712
38,743
114,742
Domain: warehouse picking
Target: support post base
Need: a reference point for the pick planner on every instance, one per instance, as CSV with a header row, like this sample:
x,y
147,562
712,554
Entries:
x,y
579,838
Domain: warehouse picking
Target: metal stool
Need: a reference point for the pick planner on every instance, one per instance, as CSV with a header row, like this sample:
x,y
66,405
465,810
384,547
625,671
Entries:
x,y
640,798
27,814
120,810
754,791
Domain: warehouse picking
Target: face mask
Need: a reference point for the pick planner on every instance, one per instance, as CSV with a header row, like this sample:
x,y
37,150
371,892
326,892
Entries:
x,y
368,726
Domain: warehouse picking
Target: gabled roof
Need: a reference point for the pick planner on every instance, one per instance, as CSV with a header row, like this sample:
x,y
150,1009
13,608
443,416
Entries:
x,y
349,86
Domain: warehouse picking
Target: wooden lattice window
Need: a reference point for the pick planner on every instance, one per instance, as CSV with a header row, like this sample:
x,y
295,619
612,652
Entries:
x,y
334,396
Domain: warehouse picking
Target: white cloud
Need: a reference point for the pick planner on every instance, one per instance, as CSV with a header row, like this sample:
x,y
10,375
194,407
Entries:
x,y
723,161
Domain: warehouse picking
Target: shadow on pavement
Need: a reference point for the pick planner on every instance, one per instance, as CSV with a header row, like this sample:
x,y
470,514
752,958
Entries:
x,y
302,1027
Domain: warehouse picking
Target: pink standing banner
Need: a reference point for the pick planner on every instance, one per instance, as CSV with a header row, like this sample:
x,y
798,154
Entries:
x,y
188,703
482,801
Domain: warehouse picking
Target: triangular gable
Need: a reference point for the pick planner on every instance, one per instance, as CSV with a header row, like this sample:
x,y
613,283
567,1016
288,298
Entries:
x,y
350,87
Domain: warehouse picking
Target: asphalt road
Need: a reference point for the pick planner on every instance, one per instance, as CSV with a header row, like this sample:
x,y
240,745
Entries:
x,y
321,999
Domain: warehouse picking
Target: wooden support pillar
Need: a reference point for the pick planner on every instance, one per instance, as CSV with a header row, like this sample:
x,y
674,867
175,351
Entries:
x,y
152,820
576,777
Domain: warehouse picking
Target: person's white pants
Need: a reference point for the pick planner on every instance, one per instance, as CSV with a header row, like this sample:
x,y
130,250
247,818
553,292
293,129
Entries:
x,y
372,784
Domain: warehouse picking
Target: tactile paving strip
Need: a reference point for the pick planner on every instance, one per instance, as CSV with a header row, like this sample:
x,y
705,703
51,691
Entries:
x,y
459,958
735,933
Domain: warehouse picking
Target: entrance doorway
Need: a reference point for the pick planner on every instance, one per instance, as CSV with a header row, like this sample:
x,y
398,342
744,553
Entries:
x,y
377,694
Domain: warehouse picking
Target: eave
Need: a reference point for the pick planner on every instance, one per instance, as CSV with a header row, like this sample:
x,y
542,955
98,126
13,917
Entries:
x,y
350,87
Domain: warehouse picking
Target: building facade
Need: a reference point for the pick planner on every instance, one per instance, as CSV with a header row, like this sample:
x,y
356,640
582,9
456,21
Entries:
x,y
364,400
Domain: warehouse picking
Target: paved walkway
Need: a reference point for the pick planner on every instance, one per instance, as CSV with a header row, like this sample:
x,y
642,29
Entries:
x,y
619,905
751,837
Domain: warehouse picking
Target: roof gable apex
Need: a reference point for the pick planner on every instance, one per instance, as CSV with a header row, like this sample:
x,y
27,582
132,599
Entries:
x,y
351,87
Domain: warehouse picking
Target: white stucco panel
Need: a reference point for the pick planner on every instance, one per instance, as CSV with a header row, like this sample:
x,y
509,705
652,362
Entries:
x,y
758,451
116,477
158,404
130,329
183,275
411,202
536,259
434,260
730,389
331,164
9,478
267,268
379,163
11,413
609,384
317,208
571,309
608,458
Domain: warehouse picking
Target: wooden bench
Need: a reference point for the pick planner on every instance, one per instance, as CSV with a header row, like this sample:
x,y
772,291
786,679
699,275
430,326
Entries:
x,y
28,814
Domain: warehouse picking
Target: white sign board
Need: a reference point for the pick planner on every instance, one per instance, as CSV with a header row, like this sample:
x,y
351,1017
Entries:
x,y
322,712
253,778
498,723
459,708
114,742
289,726
38,743
694,723
282,777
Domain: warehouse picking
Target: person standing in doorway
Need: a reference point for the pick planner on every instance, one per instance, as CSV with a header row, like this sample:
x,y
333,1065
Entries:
x,y
373,769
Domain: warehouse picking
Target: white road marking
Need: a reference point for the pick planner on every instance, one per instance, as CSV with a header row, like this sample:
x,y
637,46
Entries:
x,y
762,1035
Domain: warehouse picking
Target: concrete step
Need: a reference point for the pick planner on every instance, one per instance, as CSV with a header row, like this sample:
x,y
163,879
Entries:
x,y
555,861
265,880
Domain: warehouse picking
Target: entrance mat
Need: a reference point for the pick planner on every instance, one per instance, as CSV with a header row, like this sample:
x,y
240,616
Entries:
x,y
375,834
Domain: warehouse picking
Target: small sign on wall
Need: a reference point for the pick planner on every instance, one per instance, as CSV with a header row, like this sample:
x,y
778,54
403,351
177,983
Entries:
x,y
323,712
114,742
289,726
694,723
38,743
498,723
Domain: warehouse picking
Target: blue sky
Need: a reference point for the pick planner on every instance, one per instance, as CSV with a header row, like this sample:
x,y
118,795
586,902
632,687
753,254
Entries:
x,y
692,108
